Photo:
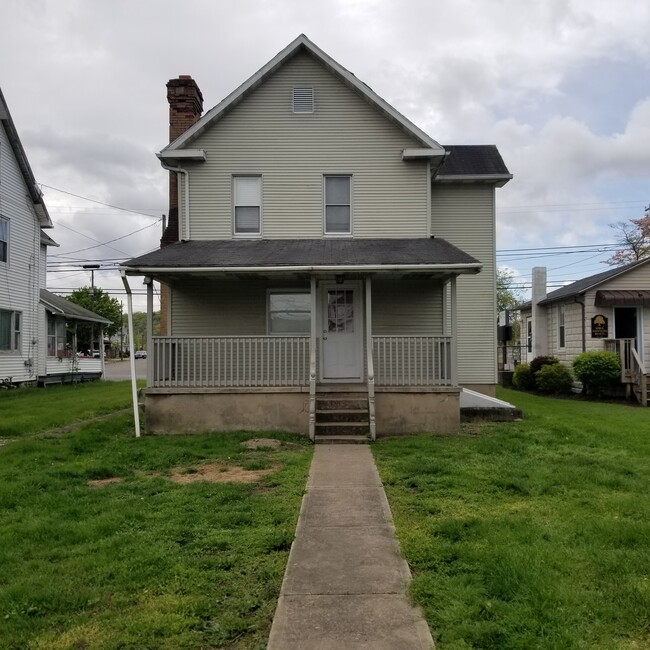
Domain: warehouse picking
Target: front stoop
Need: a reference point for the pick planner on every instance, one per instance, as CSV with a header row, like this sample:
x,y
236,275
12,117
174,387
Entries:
x,y
342,418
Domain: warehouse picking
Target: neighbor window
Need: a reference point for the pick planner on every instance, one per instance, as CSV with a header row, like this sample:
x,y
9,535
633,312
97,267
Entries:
x,y
337,205
529,335
248,204
289,313
56,337
4,239
10,324
560,326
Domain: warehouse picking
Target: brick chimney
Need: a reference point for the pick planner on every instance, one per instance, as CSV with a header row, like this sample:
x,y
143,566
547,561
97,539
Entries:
x,y
185,108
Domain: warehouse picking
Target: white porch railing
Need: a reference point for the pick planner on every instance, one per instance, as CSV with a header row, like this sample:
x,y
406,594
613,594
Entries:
x,y
623,347
230,361
412,360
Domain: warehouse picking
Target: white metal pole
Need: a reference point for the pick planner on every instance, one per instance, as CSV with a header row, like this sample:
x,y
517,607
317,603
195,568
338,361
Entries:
x,y
134,385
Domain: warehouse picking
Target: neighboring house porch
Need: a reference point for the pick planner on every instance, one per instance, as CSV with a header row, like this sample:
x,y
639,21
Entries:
x,y
353,337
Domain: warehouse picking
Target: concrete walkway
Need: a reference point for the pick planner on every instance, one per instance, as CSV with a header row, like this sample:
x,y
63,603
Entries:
x,y
345,582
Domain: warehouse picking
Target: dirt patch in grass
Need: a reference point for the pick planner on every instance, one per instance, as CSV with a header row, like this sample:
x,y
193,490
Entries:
x,y
262,443
103,482
219,473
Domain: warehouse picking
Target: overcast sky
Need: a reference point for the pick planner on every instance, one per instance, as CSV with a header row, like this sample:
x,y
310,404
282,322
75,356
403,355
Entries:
x,y
560,86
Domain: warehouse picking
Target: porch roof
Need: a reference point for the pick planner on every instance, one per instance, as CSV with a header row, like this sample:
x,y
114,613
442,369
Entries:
x,y
61,307
305,255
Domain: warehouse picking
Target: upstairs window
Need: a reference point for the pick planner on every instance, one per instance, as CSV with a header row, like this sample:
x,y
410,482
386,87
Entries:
x,y
303,100
4,239
248,205
337,205
10,325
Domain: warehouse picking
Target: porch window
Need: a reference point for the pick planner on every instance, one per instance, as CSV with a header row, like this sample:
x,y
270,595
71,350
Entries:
x,y
56,337
337,205
4,239
560,327
289,312
248,205
10,328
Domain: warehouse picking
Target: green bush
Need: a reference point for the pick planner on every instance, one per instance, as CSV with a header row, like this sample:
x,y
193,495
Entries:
x,y
597,370
539,362
523,377
554,378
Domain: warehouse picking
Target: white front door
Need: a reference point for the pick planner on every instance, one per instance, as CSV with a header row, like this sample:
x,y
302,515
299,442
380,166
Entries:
x,y
341,342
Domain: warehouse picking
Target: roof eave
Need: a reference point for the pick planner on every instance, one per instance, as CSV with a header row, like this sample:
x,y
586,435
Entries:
x,y
183,155
302,42
499,180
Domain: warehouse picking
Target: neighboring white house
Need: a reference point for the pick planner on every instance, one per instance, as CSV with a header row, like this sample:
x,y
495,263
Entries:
x,y
24,335
606,311
328,267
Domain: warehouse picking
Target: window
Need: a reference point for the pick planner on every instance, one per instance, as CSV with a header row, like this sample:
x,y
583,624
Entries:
x,y
4,239
337,205
57,336
289,312
560,326
303,100
10,324
529,335
248,204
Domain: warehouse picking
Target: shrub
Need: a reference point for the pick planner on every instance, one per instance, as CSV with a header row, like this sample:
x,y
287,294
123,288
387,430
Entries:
x,y
539,362
597,370
523,378
554,378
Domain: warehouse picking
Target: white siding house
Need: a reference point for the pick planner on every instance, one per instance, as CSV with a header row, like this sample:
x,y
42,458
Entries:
x,y
328,267
25,344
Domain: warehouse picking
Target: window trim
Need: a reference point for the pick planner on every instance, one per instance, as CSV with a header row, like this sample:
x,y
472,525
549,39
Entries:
x,y
8,222
16,335
350,228
561,327
247,235
284,291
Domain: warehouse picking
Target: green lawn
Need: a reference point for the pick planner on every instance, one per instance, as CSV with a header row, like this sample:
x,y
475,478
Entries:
x,y
534,534
145,563
32,410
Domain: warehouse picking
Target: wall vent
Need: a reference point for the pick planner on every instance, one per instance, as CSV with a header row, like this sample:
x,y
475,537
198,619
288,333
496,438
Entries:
x,y
303,100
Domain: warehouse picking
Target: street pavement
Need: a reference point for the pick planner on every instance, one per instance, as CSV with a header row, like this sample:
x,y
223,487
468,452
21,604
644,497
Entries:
x,y
117,370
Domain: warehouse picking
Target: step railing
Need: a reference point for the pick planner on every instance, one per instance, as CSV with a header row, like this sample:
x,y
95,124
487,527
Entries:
x,y
412,360
624,349
639,378
230,361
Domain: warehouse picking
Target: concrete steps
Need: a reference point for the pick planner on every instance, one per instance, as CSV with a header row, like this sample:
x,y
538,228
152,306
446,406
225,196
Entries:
x,y
342,417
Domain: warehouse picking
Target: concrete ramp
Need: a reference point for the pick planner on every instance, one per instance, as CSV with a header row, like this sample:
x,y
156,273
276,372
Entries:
x,y
476,406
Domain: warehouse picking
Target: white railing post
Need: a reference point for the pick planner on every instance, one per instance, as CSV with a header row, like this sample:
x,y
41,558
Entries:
x,y
453,316
312,362
370,362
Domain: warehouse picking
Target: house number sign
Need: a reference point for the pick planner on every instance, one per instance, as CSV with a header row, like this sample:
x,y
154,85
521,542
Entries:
x,y
599,327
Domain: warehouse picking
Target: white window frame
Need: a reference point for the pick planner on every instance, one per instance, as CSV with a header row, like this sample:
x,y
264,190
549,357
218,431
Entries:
x,y
293,99
285,291
246,235
561,327
325,204
6,241
16,336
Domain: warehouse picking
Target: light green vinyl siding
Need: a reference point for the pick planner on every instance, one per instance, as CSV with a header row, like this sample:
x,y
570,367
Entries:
x,y
406,307
463,214
344,135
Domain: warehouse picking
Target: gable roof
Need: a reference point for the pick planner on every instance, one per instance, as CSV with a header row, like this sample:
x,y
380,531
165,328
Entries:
x,y
21,158
581,286
305,255
302,44
468,162
63,307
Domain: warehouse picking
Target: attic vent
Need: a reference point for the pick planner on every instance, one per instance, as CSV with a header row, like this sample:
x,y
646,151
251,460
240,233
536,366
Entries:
x,y
303,100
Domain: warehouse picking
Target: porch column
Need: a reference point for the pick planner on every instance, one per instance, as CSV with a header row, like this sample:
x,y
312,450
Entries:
x,y
453,317
150,361
312,360
101,351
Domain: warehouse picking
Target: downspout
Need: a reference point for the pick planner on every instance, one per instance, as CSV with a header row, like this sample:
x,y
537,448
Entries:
x,y
134,386
186,207
581,302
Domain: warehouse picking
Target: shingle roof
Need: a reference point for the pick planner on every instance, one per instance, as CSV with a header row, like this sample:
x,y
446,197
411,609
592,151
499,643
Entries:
x,y
473,160
61,306
307,253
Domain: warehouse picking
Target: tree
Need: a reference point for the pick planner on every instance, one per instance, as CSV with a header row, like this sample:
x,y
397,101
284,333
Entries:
x,y
140,328
633,237
98,301
508,297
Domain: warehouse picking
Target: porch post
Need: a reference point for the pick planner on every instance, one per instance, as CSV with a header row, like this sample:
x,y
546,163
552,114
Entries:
x,y
312,361
453,317
101,352
150,360
369,360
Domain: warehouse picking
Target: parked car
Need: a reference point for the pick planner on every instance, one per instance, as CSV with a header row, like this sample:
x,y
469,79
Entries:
x,y
140,354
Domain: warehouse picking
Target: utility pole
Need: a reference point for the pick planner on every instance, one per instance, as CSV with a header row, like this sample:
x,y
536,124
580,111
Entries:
x,y
92,268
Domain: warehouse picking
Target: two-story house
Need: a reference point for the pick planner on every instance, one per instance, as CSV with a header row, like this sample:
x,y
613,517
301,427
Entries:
x,y
330,267
37,328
